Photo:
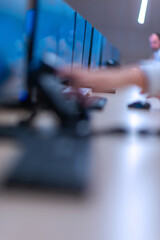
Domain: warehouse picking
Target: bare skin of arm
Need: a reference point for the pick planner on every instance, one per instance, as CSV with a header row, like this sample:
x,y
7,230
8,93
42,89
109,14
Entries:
x,y
104,79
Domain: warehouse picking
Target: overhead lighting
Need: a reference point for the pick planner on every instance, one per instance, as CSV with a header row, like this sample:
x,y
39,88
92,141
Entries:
x,y
142,12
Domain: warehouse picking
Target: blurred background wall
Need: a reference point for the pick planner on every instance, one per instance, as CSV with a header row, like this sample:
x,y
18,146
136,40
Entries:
x,y
117,20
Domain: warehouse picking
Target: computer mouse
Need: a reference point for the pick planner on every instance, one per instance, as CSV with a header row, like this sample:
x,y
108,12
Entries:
x,y
140,105
118,130
145,132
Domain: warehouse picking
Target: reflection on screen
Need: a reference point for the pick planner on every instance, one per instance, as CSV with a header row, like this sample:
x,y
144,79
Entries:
x,y
66,34
49,13
12,51
96,49
79,40
87,45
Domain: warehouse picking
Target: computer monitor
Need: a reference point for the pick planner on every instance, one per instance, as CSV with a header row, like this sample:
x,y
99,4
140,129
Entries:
x,y
101,51
116,55
47,29
107,54
111,56
104,54
110,51
79,40
87,45
96,49
12,48
66,34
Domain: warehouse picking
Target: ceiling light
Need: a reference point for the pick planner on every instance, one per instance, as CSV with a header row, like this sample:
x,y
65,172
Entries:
x,y
142,12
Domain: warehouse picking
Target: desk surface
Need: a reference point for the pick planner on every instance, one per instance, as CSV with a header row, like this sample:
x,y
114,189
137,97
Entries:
x,y
122,201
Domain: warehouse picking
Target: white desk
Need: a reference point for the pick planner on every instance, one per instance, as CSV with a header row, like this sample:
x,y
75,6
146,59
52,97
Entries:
x,y
123,199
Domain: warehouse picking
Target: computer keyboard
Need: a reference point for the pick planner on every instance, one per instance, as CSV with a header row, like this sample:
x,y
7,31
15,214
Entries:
x,y
89,102
60,162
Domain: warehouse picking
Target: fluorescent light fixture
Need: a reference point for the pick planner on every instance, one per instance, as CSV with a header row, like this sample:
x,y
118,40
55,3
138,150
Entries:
x,y
142,12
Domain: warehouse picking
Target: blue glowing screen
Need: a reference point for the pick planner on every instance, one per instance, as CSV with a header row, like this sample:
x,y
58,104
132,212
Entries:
x,y
87,45
79,40
66,35
12,42
49,13
96,49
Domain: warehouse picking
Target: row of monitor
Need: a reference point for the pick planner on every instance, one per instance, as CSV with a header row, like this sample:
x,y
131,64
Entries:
x,y
62,31
50,28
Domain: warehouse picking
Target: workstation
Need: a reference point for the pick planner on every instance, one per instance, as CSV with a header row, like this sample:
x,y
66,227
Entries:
x,y
72,168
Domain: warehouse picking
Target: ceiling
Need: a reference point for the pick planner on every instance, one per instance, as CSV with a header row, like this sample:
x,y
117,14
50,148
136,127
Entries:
x,y
117,20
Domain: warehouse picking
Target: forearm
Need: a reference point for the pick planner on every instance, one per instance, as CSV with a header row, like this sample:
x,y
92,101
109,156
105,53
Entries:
x,y
103,80
146,75
131,75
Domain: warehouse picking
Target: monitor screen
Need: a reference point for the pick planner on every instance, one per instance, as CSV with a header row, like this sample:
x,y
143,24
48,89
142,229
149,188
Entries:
x,y
96,49
48,17
79,40
12,46
110,51
107,52
101,50
66,34
110,54
116,55
87,45
104,55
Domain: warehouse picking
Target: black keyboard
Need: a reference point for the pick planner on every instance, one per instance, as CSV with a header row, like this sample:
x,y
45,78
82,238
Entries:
x,y
59,162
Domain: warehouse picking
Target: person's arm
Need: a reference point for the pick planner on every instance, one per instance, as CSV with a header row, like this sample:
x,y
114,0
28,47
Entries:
x,y
146,75
105,79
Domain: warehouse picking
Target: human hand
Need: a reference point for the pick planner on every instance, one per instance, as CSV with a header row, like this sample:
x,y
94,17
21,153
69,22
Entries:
x,y
99,80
